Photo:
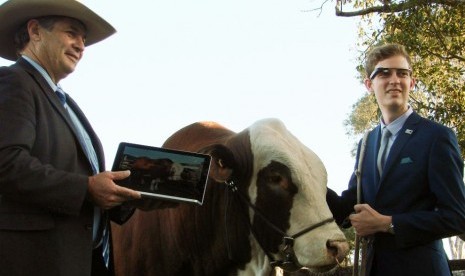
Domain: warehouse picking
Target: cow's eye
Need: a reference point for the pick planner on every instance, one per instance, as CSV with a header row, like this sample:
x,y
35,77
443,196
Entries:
x,y
275,178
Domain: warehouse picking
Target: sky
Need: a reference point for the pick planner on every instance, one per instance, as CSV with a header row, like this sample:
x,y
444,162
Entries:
x,y
175,62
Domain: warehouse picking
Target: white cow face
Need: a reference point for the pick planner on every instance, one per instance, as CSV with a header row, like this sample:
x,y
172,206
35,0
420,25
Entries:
x,y
289,186
176,171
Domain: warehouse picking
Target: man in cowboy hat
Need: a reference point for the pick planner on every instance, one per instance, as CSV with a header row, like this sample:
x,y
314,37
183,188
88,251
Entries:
x,y
55,198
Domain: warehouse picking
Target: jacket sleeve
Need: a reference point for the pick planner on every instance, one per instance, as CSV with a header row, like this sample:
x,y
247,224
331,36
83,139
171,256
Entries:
x,y
342,206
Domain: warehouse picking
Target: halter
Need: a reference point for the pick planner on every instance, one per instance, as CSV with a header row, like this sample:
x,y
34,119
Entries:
x,y
287,259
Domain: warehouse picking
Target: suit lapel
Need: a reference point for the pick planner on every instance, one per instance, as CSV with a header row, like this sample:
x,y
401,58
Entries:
x,y
371,180
404,135
58,107
93,136
46,89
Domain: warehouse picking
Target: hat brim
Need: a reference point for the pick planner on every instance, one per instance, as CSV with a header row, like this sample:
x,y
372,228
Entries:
x,y
15,13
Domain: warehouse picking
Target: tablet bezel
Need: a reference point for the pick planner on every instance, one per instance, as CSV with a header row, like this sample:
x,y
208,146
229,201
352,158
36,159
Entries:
x,y
155,153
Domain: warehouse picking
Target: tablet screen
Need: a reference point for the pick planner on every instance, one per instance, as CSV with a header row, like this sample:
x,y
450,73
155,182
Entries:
x,y
163,173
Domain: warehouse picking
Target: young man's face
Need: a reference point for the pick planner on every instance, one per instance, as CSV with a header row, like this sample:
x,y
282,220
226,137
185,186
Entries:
x,y
391,85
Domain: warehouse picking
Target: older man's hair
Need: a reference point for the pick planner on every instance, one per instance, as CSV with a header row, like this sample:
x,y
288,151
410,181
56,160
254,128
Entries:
x,y
21,38
383,52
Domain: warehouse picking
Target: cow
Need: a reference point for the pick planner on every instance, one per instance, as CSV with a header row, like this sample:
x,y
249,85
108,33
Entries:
x,y
153,168
264,206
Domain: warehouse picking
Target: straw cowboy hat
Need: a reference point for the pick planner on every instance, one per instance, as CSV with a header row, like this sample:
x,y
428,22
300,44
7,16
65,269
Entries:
x,y
15,13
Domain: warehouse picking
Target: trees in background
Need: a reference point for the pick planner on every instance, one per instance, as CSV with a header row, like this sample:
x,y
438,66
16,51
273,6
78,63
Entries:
x,y
433,32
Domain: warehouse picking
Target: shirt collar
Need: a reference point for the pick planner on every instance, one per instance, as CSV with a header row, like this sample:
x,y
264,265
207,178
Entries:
x,y
398,123
42,72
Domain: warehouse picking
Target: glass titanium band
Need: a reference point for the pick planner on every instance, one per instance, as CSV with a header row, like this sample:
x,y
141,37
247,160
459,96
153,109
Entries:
x,y
386,70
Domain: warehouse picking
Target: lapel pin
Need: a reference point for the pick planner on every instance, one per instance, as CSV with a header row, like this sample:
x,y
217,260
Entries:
x,y
408,131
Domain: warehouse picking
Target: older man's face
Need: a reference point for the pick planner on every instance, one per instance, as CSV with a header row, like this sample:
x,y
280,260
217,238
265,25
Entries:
x,y
60,49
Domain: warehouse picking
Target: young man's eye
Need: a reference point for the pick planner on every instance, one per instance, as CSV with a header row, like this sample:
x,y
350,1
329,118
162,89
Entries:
x,y
403,73
384,73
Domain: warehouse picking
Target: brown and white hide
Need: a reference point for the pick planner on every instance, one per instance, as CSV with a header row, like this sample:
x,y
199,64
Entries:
x,y
278,174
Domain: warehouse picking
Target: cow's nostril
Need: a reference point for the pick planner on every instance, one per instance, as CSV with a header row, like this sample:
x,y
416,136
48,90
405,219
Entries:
x,y
331,248
337,249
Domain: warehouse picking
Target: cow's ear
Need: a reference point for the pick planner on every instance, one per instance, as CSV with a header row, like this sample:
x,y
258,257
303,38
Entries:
x,y
223,162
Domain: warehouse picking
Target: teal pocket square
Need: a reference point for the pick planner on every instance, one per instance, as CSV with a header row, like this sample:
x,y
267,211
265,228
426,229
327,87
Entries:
x,y
406,160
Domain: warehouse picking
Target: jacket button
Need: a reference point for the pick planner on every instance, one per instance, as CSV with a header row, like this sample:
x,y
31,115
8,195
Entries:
x,y
88,226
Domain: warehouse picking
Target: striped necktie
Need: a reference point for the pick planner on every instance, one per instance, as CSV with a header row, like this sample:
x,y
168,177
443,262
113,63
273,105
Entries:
x,y
105,239
61,95
102,218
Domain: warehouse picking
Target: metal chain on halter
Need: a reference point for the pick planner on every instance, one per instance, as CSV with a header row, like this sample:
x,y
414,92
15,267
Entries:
x,y
360,241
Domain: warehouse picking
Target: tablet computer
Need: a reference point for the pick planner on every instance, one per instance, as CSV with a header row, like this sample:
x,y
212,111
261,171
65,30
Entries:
x,y
163,173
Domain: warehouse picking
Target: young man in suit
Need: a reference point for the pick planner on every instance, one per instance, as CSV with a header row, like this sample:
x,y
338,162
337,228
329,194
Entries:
x,y
55,197
412,187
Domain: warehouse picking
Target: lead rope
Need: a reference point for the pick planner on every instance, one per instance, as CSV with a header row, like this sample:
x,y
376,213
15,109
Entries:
x,y
359,240
226,209
231,188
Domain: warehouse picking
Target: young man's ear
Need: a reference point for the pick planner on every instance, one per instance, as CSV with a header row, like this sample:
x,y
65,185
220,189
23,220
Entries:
x,y
368,85
413,82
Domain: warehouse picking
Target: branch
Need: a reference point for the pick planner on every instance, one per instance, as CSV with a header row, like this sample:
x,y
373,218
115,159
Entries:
x,y
320,8
396,7
440,38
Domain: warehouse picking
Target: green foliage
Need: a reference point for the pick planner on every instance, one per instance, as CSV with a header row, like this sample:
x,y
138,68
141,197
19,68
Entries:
x,y
434,34
364,116
350,236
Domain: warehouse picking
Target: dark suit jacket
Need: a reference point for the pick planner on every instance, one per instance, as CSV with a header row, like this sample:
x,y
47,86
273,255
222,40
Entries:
x,y
45,216
421,188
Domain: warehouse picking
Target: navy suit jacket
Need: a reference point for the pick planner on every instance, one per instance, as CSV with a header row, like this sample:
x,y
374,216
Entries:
x,y
421,188
46,217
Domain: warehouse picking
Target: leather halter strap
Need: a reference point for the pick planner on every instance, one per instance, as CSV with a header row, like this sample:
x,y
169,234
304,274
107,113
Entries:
x,y
286,248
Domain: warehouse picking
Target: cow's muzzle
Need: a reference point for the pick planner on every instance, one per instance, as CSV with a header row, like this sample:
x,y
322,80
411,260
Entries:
x,y
288,260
